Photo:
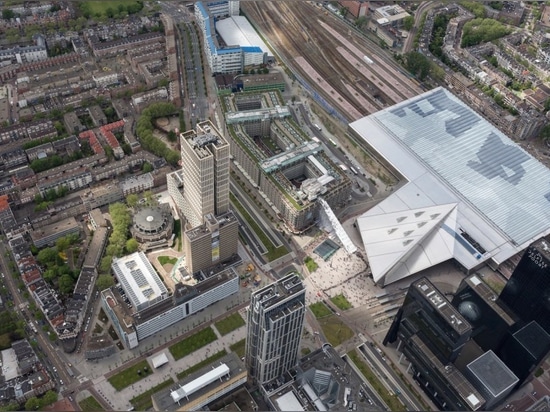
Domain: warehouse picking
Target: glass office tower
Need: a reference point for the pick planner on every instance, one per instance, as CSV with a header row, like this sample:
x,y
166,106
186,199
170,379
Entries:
x,y
527,293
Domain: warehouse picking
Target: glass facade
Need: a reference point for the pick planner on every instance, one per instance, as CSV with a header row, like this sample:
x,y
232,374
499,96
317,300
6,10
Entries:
x,y
527,293
490,322
428,315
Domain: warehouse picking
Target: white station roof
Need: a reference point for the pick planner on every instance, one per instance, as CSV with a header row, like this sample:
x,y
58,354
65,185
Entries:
x,y
199,383
472,193
237,30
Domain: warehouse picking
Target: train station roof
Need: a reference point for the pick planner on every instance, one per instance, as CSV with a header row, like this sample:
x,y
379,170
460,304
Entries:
x,y
471,193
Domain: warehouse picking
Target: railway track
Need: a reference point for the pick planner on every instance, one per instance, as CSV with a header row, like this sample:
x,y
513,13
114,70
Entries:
x,y
300,31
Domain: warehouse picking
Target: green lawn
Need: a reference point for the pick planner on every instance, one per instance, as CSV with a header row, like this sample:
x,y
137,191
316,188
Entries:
x,y
201,364
239,347
320,310
272,252
311,264
130,375
341,302
143,402
192,343
335,330
163,260
392,401
90,404
101,6
230,323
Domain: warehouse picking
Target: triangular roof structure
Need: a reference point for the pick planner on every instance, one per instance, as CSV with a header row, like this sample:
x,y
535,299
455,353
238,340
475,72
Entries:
x,y
491,198
402,243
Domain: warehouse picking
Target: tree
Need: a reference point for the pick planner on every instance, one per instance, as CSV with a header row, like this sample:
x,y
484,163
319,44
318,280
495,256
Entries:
x,y
8,14
105,264
147,167
62,243
104,282
66,284
132,200
32,404
418,64
47,255
132,245
408,23
49,398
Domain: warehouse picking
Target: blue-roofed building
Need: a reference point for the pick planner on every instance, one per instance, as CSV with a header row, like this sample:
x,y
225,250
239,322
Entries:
x,y
242,46
470,194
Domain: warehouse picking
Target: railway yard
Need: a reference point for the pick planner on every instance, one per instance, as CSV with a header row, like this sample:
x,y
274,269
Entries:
x,y
349,71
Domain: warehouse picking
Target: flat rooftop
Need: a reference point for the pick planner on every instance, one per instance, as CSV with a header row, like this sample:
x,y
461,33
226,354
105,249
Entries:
x,y
139,280
272,294
442,305
492,373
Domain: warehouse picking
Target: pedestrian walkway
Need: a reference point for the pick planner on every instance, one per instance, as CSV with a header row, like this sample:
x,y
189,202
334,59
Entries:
x,y
120,400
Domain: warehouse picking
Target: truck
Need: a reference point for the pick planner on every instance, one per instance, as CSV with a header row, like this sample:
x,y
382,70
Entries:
x,y
368,60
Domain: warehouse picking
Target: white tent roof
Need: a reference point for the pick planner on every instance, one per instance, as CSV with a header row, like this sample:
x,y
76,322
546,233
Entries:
x,y
159,360
495,197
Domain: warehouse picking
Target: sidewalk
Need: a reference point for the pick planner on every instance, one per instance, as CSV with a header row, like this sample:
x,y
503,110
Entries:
x,y
121,400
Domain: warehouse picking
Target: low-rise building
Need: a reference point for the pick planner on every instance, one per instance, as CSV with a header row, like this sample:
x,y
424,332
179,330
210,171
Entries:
x,y
47,235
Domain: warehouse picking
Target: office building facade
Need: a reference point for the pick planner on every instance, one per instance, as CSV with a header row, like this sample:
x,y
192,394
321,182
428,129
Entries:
x,y
275,322
205,160
490,321
428,314
201,194
527,292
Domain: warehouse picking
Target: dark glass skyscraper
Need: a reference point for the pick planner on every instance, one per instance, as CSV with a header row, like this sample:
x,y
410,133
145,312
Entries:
x,y
429,315
527,293
490,322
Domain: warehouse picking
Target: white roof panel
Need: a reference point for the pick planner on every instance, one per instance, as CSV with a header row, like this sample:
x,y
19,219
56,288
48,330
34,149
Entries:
x,y
199,383
237,30
487,169
450,155
159,360
289,402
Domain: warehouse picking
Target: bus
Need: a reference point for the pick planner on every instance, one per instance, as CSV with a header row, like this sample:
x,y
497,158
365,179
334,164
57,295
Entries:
x,y
355,172
333,142
317,127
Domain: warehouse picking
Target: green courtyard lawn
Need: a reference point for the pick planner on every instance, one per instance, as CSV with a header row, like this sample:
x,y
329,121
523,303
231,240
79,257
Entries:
x,y
341,302
310,264
239,347
192,343
320,310
90,404
143,401
130,375
230,323
335,330
201,364
163,260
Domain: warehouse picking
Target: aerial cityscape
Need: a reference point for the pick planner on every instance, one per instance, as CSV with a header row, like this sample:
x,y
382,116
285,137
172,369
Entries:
x,y
274,205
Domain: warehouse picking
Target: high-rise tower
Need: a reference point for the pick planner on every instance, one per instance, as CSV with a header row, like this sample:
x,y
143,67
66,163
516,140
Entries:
x,y
527,292
200,191
275,321
205,165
